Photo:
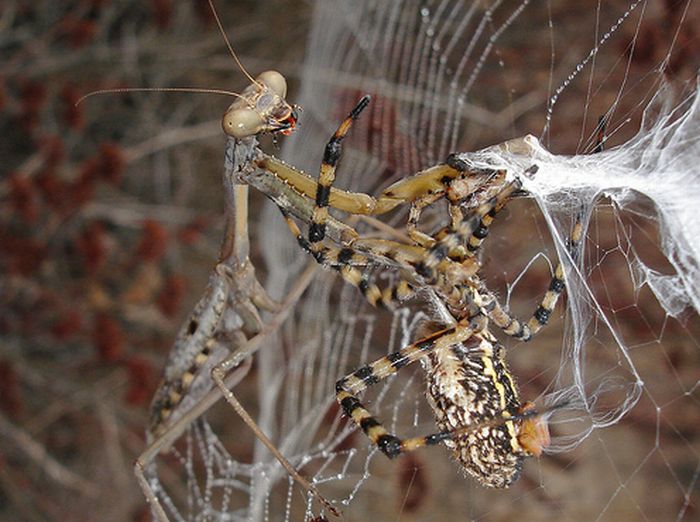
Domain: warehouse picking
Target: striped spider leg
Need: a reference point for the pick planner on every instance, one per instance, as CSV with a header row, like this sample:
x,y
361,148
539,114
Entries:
x,y
445,261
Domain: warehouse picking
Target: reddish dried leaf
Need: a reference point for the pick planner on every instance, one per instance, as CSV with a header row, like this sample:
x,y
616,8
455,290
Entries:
x,y
21,255
10,393
170,297
191,232
108,337
162,12
78,31
154,241
67,325
91,245
142,381
23,198
32,96
82,189
53,149
203,10
73,115
53,190
111,162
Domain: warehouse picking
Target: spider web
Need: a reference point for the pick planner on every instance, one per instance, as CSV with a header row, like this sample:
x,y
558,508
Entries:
x,y
622,352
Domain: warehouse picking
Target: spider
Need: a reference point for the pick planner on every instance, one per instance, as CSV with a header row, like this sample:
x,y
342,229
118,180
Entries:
x,y
472,393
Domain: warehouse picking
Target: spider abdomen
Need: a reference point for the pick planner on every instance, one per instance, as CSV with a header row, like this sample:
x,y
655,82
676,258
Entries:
x,y
469,384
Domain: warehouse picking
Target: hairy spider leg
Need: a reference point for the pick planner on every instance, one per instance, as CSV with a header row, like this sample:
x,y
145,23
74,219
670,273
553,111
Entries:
x,y
428,268
463,252
533,436
458,199
344,261
326,177
347,388
460,193
472,230
317,228
524,331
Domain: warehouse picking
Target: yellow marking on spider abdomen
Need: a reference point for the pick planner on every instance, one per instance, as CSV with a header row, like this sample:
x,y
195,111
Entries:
x,y
510,425
512,433
490,371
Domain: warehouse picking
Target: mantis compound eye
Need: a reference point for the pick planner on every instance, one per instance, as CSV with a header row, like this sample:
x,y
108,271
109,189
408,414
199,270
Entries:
x,y
274,81
242,123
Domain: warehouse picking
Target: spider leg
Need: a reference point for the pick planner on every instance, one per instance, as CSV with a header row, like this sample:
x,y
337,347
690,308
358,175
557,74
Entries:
x,y
458,199
452,240
352,384
414,214
326,177
345,260
533,433
524,331
421,183
463,193
477,237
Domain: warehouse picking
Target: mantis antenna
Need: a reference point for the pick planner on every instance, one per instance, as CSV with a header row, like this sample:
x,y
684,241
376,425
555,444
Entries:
x,y
160,89
228,44
187,89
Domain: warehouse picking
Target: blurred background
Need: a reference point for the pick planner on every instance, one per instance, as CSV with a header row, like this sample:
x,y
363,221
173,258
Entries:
x,y
110,221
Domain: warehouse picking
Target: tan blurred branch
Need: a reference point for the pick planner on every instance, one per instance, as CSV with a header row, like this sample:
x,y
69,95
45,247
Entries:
x,y
36,452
